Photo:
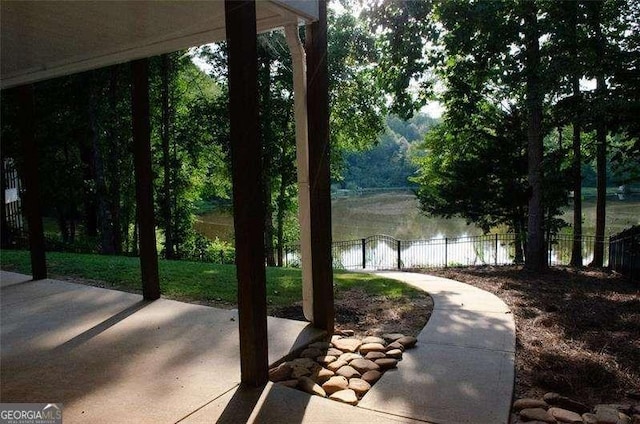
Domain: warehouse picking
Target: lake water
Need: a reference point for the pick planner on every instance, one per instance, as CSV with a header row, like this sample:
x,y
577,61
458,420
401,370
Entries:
x,y
396,214
441,241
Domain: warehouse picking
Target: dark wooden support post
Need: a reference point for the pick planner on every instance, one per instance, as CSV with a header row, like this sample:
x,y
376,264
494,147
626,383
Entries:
x,y
248,204
33,209
319,161
144,191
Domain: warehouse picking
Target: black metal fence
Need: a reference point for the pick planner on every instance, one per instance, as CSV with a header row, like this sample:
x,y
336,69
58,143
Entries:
x,y
13,225
385,252
624,253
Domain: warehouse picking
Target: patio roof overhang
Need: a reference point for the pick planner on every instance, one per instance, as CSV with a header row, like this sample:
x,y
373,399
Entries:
x,y
43,40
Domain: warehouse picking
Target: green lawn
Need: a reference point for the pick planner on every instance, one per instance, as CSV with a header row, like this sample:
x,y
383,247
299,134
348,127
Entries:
x,y
195,281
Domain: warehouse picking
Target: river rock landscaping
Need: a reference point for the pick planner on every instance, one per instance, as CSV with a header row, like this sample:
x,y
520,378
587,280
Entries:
x,y
555,408
345,368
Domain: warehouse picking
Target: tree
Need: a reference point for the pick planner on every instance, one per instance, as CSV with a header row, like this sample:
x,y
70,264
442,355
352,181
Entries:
x,y
536,256
475,171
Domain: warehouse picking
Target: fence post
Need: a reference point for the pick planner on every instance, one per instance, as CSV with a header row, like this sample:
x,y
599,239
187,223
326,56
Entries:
x,y
364,253
446,254
399,256
496,246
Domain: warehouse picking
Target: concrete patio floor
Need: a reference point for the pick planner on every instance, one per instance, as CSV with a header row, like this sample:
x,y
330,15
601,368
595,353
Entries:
x,y
110,357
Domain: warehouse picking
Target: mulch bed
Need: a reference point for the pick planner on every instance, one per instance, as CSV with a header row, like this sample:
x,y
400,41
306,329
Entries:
x,y
371,315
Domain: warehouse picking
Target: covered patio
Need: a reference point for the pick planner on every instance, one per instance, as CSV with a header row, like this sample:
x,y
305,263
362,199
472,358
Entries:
x,y
43,40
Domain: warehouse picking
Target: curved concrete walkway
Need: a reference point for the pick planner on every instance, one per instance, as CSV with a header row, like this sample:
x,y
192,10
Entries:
x,y
109,357
463,368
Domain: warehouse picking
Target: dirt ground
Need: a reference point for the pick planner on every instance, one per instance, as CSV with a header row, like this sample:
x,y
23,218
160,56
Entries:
x,y
578,331
372,315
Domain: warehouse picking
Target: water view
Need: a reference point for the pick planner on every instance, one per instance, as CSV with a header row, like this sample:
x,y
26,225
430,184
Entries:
x,y
397,215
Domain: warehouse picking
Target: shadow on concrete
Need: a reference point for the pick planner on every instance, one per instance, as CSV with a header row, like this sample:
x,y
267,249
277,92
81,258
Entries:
x,y
112,357
97,329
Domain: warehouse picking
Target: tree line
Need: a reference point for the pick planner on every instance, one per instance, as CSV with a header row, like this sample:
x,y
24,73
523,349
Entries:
x,y
83,130
531,89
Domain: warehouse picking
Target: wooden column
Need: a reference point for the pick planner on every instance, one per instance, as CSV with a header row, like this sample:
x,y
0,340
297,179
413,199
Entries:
x,y
144,190
319,161
33,210
248,205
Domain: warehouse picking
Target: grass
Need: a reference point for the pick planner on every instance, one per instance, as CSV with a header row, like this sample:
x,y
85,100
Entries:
x,y
196,282
578,331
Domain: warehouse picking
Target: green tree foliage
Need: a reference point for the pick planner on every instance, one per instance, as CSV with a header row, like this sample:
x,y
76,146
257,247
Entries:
x,y
358,107
388,163
529,56
190,160
476,172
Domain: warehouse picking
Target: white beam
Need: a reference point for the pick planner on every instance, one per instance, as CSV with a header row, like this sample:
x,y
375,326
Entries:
x,y
302,156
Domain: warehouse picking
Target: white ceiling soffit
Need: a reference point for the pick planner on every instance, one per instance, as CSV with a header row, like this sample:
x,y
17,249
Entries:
x,y
47,39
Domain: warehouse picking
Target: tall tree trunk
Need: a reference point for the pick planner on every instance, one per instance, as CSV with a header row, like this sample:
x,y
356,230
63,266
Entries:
x,y
106,245
166,159
282,199
601,187
518,234
576,163
114,163
601,136
267,162
536,257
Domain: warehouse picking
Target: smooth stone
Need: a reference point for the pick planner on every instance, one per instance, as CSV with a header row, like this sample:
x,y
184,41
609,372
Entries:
x,y
625,408
529,403
589,418
624,418
325,359
564,415
373,339
371,347
364,365
407,341
359,386
606,414
332,351
371,376
323,375
347,333
335,337
348,372
348,357
394,353
335,384
311,353
336,365
347,345
320,345
560,401
530,414
386,363
392,337
280,373
395,345
345,396
375,355
310,386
